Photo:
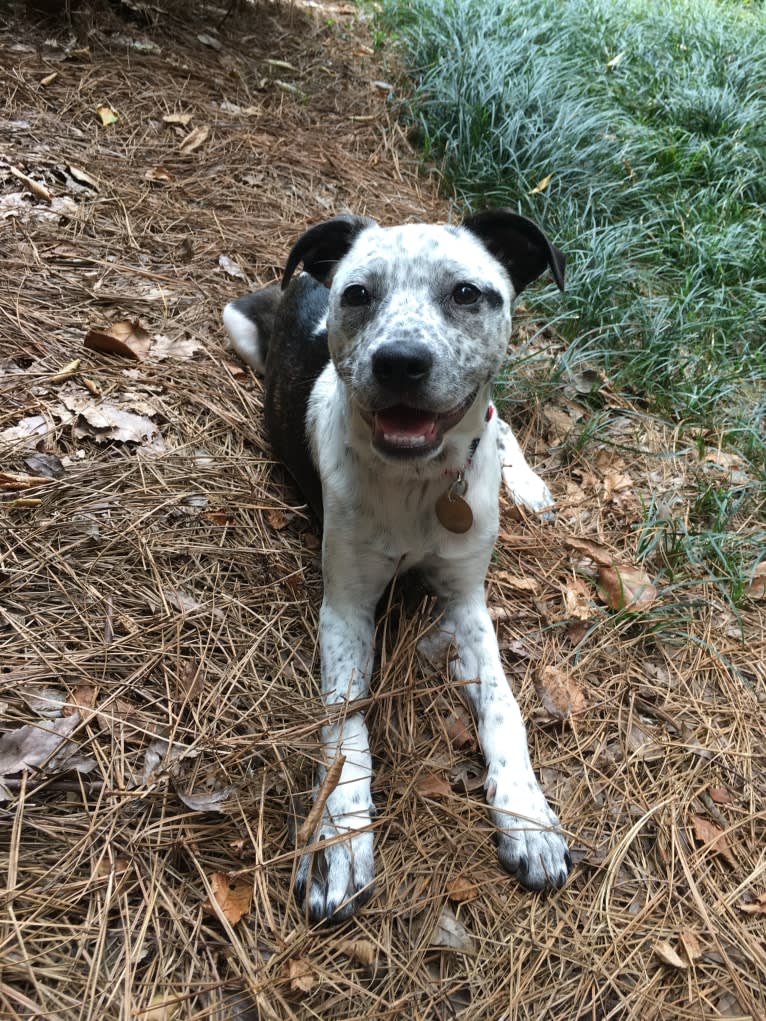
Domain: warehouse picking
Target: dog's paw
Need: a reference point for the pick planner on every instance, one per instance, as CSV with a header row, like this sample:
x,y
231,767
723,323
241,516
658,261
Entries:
x,y
533,848
538,858
529,491
334,881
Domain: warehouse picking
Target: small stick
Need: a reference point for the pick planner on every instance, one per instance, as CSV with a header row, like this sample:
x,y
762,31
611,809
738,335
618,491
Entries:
x,y
329,784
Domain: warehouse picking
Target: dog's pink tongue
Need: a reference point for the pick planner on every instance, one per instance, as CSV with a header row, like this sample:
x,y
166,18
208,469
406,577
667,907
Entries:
x,y
405,427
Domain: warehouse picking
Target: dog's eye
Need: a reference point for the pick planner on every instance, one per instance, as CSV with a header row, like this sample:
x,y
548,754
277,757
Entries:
x,y
466,294
356,296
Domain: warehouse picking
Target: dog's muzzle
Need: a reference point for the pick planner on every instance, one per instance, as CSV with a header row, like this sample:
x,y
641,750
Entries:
x,y
404,431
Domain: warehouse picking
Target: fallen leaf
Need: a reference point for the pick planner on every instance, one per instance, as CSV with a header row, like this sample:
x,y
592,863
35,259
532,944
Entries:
x,y
159,174
125,338
451,933
27,432
211,41
577,600
690,944
178,118
361,950
542,185
431,785
754,907
721,795
599,554
205,801
710,835
103,422
668,955
108,865
83,178
44,745
301,975
107,114
277,519
461,889
460,730
179,347
161,754
47,701
559,693
190,680
197,137
45,464
626,588
83,697
521,584
233,896
161,1009
756,587
231,268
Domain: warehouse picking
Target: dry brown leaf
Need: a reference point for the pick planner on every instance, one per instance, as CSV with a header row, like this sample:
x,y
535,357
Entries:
x,y
197,137
626,588
125,338
82,699
668,955
460,729
232,896
178,118
159,174
161,1009
577,600
599,554
451,933
691,945
431,785
754,907
559,693
214,800
103,422
521,584
178,347
190,680
277,519
721,795
301,975
361,950
43,745
709,834
756,587
462,889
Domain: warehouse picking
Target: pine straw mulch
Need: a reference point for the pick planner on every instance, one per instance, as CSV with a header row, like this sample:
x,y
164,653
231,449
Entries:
x,y
159,591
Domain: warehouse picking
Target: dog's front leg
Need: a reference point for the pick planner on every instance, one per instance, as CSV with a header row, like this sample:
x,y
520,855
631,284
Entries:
x,y
522,485
530,843
337,878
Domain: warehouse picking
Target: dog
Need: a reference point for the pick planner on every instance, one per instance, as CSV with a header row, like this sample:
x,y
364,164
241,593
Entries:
x,y
379,360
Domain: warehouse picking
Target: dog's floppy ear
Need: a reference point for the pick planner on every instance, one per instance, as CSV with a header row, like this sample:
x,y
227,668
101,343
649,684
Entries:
x,y
518,244
322,247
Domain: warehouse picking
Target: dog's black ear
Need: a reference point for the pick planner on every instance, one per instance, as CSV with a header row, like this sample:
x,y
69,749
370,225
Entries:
x,y
322,247
518,244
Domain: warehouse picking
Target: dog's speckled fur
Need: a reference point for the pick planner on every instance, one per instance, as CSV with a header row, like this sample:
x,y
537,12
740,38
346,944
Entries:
x,y
318,348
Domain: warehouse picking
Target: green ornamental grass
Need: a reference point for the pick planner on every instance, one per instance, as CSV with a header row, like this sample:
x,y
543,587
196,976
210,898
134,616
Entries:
x,y
635,133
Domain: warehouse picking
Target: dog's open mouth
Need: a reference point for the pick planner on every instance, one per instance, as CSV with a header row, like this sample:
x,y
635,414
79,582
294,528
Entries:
x,y
403,431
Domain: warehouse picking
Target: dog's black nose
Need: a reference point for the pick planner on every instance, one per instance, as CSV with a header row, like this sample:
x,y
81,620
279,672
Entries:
x,y
401,365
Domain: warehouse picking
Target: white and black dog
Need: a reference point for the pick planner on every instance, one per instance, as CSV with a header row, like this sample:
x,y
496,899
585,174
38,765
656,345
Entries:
x,y
379,362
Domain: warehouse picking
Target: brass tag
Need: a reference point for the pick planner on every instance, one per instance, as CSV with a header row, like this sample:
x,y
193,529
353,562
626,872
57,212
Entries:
x,y
452,510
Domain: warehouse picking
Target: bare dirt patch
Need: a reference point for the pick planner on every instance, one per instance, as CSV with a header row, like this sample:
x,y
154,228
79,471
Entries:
x,y
159,588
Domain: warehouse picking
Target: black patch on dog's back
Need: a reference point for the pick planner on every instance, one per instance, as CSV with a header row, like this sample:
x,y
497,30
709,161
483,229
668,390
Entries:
x,y
297,354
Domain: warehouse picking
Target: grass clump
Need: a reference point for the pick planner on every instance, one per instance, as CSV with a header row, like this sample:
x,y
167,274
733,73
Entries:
x,y
635,132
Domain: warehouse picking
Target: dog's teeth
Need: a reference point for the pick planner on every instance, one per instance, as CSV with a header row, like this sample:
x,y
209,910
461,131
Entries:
x,y
400,440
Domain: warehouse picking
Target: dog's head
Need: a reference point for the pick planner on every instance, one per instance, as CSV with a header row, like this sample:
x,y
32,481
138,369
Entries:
x,y
419,316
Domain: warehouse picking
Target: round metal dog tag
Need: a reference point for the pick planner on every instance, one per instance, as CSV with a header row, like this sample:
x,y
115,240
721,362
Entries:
x,y
452,510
